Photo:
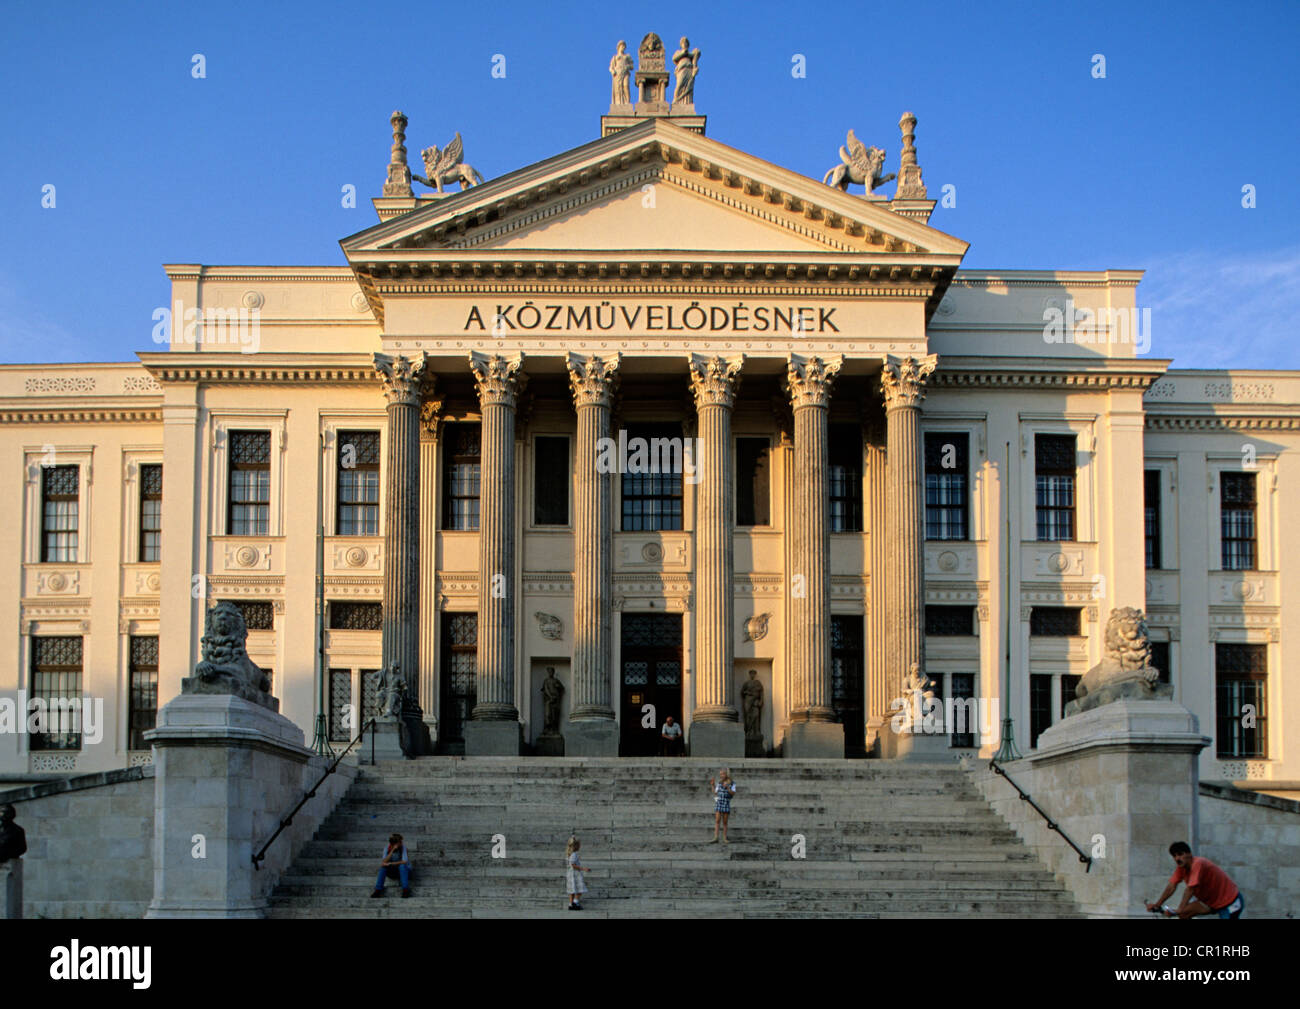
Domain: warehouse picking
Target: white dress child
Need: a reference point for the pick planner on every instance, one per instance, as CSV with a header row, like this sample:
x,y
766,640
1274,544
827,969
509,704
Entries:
x,y
573,875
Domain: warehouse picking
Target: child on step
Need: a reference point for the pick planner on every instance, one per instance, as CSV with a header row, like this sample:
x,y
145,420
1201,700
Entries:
x,y
723,789
573,873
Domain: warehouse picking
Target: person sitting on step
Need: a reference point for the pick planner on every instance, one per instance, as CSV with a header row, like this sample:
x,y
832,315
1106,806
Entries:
x,y
670,738
396,865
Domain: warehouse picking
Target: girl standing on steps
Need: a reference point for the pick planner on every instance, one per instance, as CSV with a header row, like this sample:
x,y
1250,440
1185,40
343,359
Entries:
x,y
723,789
573,873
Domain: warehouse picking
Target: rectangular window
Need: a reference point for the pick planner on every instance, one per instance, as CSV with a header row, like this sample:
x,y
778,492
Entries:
x,y
848,664
845,478
1160,658
652,487
1237,521
460,476
369,696
946,498
358,483
1241,700
343,723
459,677
1151,497
1069,684
150,513
752,482
144,689
348,616
1040,705
1054,621
1054,480
250,483
552,476
965,721
60,486
950,621
56,680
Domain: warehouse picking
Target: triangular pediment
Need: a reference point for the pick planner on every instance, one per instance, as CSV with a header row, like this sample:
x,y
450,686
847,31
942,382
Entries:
x,y
654,186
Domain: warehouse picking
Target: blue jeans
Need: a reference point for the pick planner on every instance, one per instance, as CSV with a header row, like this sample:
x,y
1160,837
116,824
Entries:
x,y
404,870
1234,909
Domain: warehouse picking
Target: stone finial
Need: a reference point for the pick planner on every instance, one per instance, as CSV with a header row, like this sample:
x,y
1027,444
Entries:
x,y
715,380
403,377
809,379
910,184
592,380
399,173
651,77
499,379
903,379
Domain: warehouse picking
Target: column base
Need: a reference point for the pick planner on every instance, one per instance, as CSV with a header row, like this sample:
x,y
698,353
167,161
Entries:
x,y
717,739
493,739
596,737
805,740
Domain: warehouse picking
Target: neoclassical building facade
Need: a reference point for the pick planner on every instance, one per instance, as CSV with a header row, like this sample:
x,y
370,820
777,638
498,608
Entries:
x,y
661,418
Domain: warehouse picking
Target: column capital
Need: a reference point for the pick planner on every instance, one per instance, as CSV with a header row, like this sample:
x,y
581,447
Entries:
x,y
809,379
499,379
592,378
403,377
903,379
715,380
431,416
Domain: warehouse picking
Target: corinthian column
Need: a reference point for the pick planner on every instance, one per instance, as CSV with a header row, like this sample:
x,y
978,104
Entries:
x,y
813,730
591,731
715,728
403,380
494,727
903,382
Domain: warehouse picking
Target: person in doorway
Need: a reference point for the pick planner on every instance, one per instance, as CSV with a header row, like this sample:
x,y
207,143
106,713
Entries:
x,y
1209,890
723,789
573,874
670,738
396,865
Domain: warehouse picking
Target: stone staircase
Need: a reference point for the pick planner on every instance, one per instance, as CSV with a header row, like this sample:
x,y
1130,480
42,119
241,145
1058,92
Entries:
x,y
883,840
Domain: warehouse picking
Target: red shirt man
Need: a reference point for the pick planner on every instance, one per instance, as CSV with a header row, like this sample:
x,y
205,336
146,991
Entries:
x,y
1209,889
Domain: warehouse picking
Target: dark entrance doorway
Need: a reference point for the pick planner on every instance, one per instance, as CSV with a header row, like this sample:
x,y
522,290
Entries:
x,y
651,673
459,683
847,660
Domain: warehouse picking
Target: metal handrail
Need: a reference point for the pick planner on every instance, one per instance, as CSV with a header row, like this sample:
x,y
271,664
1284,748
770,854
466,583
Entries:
x,y
260,856
1051,824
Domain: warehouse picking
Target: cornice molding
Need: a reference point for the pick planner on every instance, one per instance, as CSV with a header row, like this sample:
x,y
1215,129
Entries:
x,y
83,415
1221,422
255,374
965,379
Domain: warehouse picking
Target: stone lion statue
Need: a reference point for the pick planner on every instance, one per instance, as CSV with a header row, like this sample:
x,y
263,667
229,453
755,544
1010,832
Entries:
x,y
1126,671
226,667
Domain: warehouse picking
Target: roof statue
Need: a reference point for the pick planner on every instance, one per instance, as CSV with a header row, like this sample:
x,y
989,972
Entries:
x,y
686,64
446,167
620,69
861,165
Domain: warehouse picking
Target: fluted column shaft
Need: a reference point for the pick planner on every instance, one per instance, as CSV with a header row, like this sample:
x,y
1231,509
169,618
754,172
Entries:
x,y
878,696
810,380
903,382
499,383
714,381
403,380
591,380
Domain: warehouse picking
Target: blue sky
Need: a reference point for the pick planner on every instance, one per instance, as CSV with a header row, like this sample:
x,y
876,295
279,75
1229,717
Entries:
x,y
1053,168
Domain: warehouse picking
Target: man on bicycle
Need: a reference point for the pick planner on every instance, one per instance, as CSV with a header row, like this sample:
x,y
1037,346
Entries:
x,y
1208,890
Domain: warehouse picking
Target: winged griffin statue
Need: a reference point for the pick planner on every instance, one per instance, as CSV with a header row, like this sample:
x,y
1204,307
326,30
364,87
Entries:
x,y
447,167
862,165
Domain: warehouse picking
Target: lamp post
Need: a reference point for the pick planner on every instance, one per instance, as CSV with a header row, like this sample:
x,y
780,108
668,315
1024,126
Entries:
x,y
1007,751
321,743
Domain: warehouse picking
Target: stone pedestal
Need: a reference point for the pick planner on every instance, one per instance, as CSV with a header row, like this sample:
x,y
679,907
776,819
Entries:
x,y
1121,781
550,744
11,889
755,747
492,738
720,739
226,771
814,739
591,738
388,744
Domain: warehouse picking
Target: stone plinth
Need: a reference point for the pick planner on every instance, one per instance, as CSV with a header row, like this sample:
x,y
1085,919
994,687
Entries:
x,y
1121,781
11,889
493,738
226,771
590,738
388,742
549,744
720,739
805,740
